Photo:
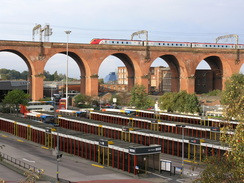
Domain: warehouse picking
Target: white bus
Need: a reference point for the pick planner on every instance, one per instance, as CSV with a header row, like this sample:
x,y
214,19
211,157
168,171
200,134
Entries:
x,y
40,106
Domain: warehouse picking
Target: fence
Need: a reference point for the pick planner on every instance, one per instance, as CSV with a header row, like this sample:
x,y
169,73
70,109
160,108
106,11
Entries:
x,y
19,163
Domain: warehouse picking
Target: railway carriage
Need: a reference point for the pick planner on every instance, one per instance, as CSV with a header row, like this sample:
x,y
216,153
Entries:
x,y
166,44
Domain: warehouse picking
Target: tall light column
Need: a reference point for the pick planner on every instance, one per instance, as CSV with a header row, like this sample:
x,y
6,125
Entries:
x,y
182,153
67,64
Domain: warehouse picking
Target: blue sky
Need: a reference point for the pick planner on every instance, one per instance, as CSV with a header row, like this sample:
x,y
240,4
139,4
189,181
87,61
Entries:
x,y
165,20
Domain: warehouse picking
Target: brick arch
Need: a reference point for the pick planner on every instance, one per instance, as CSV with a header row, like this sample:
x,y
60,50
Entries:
x,y
20,55
216,66
205,80
80,64
174,66
129,66
25,59
241,67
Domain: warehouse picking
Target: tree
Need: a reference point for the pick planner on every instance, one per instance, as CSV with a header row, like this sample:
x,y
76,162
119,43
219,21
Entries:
x,y
192,104
233,97
55,76
216,171
82,100
179,102
231,167
16,97
139,97
101,81
166,101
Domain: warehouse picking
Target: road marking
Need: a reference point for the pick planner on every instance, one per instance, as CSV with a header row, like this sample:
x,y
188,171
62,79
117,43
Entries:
x,y
28,160
4,136
189,161
169,179
180,180
44,147
20,140
97,165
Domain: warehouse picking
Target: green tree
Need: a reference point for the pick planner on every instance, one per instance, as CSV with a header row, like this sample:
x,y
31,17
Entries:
x,y
55,76
166,101
233,97
140,98
179,102
101,81
24,75
16,97
192,104
82,100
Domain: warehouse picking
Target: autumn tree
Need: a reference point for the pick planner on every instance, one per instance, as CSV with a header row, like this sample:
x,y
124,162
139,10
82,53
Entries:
x,y
233,97
230,167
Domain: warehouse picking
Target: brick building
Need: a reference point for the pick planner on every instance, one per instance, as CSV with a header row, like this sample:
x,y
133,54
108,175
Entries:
x,y
122,75
159,79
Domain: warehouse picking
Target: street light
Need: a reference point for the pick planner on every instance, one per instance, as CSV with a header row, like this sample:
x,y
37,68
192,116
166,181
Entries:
x,y
67,53
58,155
182,153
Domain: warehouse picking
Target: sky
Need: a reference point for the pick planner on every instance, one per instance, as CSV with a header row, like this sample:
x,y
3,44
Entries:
x,y
165,20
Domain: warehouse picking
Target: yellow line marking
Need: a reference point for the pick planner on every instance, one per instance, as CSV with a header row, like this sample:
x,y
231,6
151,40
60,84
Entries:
x,y
189,161
4,136
44,147
20,140
97,165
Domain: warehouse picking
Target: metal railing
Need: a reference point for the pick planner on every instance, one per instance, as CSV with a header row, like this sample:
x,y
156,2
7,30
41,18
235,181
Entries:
x,y
17,162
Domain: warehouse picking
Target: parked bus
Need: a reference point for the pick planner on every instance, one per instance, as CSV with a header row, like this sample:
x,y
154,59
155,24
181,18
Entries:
x,y
40,106
62,103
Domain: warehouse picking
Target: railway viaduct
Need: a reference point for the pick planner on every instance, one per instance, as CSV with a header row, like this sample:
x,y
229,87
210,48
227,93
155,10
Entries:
x,y
137,59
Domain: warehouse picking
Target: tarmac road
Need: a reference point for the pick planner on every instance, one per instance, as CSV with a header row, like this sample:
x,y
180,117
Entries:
x,y
71,168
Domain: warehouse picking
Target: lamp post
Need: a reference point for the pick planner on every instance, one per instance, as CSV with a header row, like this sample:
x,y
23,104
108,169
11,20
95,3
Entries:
x,y
182,153
67,53
58,156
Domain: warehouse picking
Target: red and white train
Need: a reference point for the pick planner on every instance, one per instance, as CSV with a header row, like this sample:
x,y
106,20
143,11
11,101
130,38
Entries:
x,y
165,43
